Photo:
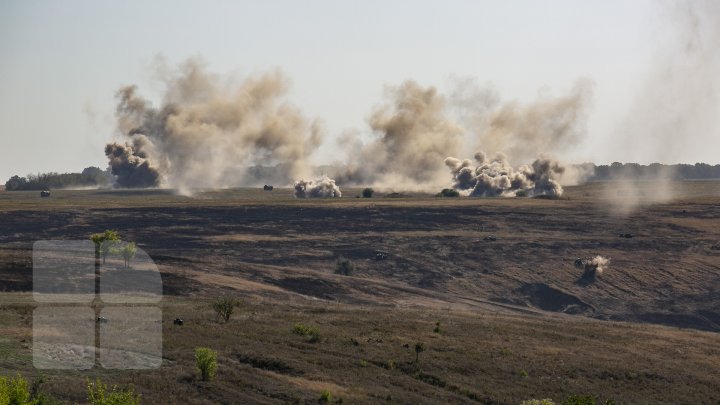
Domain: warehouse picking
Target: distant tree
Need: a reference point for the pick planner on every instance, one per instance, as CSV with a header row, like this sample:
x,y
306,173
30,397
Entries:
x,y
224,307
448,192
368,192
419,348
344,266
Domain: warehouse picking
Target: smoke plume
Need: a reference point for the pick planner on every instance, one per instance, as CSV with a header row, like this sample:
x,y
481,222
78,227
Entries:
x,y
495,177
592,267
208,130
414,136
323,187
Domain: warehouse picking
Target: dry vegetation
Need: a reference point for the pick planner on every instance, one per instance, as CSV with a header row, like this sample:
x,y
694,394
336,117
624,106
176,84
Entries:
x,y
517,320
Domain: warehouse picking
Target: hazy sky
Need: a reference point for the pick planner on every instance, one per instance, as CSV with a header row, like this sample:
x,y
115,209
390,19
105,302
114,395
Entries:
x,y
62,61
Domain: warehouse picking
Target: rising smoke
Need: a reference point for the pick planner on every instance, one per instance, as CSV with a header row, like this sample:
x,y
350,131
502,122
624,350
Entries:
x,y
414,136
323,187
208,130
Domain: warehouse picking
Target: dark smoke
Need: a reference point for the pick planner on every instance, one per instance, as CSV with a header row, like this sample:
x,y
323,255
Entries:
x,y
130,165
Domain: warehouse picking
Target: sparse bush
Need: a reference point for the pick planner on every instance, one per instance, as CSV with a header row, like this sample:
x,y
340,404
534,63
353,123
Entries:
x,y
97,395
586,400
368,192
523,373
311,333
344,266
390,365
448,192
437,327
363,363
546,401
224,307
521,193
206,362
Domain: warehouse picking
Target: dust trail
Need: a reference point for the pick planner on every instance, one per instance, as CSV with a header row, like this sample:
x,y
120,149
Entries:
x,y
674,115
208,130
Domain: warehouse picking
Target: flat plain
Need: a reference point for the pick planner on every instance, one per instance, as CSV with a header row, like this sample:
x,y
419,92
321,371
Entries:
x,y
488,286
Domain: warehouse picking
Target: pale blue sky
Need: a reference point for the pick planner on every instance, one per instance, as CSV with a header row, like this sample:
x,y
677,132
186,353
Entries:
x,y
62,61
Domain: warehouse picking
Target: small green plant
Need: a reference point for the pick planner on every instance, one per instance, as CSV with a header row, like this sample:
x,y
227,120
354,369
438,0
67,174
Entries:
x,y
368,192
448,192
311,333
419,348
546,401
325,397
224,307
363,363
15,391
580,400
206,362
437,327
344,266
97,394
104,243
523,373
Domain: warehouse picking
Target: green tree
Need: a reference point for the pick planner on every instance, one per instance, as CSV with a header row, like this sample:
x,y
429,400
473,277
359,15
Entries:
x,y
368,192
128,252
104,243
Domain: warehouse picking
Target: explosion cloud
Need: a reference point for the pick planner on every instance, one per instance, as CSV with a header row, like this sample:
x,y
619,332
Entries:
x,y
208,130
414,136
495,177
323,187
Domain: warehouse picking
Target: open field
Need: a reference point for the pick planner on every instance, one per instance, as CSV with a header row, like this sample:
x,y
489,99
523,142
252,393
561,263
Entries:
x,y
517,318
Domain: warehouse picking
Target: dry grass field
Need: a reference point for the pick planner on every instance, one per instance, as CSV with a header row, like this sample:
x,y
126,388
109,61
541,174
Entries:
x,y
517,319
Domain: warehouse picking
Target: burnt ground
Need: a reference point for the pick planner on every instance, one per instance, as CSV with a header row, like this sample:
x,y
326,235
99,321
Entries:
x,y
501,267
439,252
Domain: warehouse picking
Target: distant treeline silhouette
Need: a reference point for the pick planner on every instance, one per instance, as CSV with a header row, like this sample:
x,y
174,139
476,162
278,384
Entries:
x,y
618,170
90,177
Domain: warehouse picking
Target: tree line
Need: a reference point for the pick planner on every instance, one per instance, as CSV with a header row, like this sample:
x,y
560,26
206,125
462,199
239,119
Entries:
x,y
652,171
89,177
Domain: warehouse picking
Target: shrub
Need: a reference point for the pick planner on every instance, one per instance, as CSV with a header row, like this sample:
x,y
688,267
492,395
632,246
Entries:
x,y
437,327
224,307
325,397
344,267
448,192
368,192
15,391
580,400
303,330
521,193
523,373
206,362
97,395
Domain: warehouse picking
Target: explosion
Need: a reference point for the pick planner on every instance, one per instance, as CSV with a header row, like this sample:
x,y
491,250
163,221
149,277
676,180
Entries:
x,y
323,187
208,130
495,177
